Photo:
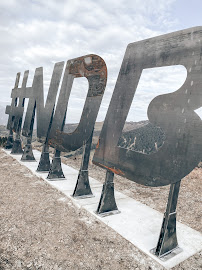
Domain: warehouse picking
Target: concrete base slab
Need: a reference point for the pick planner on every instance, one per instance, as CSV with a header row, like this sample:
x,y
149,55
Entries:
x,y
137,222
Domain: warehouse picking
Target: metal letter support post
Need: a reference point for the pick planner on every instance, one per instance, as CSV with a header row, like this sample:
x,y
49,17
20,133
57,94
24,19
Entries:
x,y
107,205
9,143
17,144
168,238
44,163
82,188
28,153
55,171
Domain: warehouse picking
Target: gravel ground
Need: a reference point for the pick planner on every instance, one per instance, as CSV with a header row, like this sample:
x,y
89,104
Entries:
x,y
42,229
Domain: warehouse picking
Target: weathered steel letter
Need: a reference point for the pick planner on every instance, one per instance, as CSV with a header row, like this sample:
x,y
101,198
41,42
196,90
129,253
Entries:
x,y
174,113
94,69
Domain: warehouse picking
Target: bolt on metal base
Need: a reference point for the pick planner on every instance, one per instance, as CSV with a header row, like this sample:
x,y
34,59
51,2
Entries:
x,y
168,238
107,204
55,172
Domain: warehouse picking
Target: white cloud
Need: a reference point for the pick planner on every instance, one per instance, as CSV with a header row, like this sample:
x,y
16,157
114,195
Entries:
x,y
39,33
154,82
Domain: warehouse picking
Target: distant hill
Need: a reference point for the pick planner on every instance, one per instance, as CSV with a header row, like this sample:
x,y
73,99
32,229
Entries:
x,y
98,126
138,136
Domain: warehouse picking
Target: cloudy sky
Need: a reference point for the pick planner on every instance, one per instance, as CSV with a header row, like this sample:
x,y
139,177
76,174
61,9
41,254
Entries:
x,y
38,33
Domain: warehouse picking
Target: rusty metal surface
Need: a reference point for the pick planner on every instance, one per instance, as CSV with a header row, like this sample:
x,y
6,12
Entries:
x,y
174,112
94,69
48,119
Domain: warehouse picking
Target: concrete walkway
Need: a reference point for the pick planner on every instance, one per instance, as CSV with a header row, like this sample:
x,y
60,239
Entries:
x,y
137,222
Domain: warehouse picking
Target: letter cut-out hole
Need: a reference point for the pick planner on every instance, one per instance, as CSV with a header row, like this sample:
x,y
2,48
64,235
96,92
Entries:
x,y
139,134
76,103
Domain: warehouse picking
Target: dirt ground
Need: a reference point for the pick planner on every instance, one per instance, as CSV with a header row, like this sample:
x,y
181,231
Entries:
x,y
42,229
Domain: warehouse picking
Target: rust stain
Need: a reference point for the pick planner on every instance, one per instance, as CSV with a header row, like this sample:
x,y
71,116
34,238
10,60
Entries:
x,y
92,67
82,68
98,143
116,171
50,142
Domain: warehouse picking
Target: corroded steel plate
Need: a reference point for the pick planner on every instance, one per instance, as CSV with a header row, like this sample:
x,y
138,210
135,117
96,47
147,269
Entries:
x,y
173,113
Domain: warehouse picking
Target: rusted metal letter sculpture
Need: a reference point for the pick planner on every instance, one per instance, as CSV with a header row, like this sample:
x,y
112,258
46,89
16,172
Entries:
x,y
94,69
174,113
